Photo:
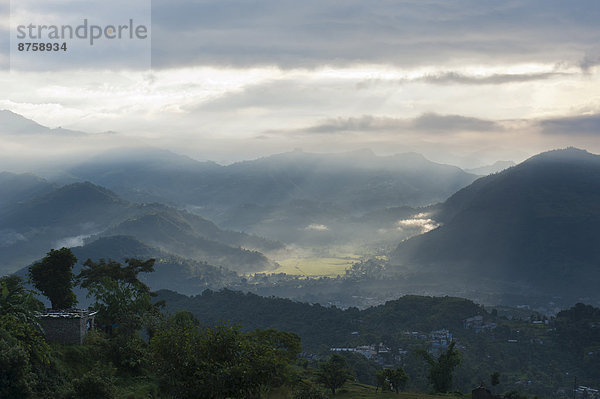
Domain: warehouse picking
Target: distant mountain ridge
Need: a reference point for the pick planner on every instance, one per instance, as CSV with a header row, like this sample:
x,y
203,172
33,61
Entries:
x,y
536,225
280,196
12,123
359,181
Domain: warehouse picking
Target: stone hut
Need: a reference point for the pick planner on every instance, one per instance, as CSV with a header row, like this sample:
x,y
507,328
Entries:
x,y
67,327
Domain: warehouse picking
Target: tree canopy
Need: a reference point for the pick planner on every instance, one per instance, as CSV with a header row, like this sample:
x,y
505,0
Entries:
x,y
17,301
334,373
23,350
394,379
220,362
53,276
441,369
122,300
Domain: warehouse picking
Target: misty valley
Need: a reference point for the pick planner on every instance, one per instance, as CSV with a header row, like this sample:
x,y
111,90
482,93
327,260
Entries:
x,y
208,199
386,262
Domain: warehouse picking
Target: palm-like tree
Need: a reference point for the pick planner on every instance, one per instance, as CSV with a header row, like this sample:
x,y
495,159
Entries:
x,y
18,302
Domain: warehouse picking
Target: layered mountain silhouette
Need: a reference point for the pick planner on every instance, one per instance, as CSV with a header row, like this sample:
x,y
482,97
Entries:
x,y
358,181
281,196
80,213
535,226
181,274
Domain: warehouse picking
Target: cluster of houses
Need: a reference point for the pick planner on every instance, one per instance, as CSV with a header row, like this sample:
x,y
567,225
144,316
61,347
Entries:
x,y
439,341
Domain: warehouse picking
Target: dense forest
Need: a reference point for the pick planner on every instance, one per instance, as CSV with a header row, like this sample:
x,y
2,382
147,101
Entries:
x,y
531,352
240,345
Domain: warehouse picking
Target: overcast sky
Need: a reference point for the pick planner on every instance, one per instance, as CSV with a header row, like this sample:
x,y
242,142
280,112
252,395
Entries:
x,y
463,82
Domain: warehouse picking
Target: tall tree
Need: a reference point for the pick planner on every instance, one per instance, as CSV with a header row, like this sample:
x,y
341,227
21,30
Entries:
x,y
334,373
395,379
382,381
441,369
122,300
53,276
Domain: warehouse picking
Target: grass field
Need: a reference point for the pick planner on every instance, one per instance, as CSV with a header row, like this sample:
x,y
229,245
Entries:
x,y
352,390
356,390
316,266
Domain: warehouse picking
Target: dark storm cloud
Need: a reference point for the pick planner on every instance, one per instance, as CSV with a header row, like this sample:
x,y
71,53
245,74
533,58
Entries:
x,y
585,124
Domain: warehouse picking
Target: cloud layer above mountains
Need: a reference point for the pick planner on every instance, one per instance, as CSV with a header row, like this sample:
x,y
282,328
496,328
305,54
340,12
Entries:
x,y
461,81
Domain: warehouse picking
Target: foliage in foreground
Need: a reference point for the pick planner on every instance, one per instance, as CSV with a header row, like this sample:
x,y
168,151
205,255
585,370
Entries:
x,y
391,379
334,373
53,276
220,362
442,368
121,299
179,358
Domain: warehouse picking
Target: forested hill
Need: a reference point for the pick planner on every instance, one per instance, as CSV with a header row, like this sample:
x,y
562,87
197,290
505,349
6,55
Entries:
x,y
532,354
535,225
35,216
320,326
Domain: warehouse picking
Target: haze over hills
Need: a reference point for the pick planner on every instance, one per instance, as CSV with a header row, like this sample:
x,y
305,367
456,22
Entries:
x,y
496,167
530,229
296,197
358,181
79,213
535,226
183,275
21,187
13,123
170,271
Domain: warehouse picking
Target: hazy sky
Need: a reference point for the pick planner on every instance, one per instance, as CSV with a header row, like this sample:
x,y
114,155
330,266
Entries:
x,y
464,82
